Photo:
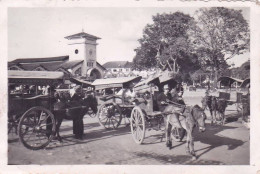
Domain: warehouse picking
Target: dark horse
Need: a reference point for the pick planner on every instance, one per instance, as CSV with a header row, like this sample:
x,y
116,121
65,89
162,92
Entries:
x,y
191,117
65,108
217,107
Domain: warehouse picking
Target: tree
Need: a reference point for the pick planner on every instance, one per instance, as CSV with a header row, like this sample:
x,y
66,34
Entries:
x,y
218,35
242,72
165,44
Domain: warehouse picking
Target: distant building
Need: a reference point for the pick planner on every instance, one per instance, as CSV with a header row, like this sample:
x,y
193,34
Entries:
x,y
124,69
118,69
82,55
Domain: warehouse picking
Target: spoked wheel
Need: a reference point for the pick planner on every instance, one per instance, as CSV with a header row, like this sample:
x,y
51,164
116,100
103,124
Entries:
x,y
138,125
36,128
109,115
177,134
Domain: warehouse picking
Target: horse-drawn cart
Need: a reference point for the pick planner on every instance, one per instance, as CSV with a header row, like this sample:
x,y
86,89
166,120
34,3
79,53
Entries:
x,y
30,113
115,106
146,113
31,106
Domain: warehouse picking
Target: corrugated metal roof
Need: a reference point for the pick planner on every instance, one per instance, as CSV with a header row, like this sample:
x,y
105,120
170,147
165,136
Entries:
x,y
71,64
37,60
82,35
35,75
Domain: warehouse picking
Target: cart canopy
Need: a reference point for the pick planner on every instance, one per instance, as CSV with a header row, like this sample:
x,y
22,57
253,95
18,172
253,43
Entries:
x,y
81,82
35,77
122,82
227,81
245,83
158,79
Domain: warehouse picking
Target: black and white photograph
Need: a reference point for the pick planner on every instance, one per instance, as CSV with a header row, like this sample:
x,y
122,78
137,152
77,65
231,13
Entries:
x,y
137,85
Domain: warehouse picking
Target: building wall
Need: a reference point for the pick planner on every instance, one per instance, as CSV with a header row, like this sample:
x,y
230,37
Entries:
x,y
119,69
86,50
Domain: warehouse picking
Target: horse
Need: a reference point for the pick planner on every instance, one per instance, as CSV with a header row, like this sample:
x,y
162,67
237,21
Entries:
x,y
72,110
210,102
191,117
217,107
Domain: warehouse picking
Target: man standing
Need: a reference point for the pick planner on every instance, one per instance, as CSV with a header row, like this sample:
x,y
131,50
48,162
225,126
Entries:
x,y
75,100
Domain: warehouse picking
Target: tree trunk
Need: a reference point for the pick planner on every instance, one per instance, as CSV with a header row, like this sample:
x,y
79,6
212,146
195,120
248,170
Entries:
x,y
215,79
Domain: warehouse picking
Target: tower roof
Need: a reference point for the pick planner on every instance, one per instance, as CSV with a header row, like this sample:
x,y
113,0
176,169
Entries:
x,y
82,35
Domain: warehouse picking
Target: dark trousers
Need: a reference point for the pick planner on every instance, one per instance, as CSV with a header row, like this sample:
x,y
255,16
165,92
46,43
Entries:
x,y
78,127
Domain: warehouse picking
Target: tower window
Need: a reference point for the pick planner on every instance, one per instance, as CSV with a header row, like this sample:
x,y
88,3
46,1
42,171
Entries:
x,y
76,51
90,64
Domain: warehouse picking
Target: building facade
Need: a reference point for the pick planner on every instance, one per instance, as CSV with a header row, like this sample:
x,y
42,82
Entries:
x,y
81,61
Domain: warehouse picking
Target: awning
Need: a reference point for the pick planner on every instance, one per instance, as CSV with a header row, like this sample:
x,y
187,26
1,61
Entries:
x,y
245,83
125,82
83,83
35,77
227,81
158,80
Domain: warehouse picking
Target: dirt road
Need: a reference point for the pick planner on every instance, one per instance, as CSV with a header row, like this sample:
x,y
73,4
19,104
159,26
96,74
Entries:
x,y
227,145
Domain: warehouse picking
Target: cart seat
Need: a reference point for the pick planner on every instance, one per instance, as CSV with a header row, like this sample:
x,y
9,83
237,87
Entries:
x,y
126,106
36,97
154,113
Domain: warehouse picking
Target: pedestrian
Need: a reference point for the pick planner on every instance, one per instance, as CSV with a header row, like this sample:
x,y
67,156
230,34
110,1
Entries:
x,y
76,100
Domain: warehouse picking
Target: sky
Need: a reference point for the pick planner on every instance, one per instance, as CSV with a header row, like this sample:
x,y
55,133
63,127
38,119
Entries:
x,y
40,32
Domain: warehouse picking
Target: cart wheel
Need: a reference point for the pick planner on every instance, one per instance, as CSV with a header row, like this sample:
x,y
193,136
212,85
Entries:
x,y
109,115
138,125
177,134
36,128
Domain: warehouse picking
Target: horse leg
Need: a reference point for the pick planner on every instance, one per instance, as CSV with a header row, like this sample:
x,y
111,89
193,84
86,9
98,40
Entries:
x,y
59,121
212,119
214,115
223,118
187,147
192,152
168,134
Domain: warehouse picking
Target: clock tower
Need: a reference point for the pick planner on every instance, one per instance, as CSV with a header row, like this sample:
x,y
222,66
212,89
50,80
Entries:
x,y
82,46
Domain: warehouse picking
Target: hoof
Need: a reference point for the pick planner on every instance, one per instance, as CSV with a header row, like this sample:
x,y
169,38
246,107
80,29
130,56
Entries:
x,y
169,144
60,139
194,157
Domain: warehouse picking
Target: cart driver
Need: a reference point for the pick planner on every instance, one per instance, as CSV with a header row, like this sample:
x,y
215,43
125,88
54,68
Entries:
x,y
162,101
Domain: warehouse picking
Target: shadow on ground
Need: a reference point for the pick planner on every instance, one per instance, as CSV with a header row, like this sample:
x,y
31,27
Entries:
x,y
94,135
170,159
211,138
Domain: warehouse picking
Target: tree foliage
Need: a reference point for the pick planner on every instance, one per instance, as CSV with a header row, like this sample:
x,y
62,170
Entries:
x,y
168,36
242,72
218,35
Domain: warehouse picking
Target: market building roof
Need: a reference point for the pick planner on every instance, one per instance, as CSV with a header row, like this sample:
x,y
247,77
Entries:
x,y
81,35
40,60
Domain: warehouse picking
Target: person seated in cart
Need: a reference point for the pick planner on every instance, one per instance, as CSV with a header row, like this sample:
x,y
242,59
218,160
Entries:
x,y
163,100
127,94
176,95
